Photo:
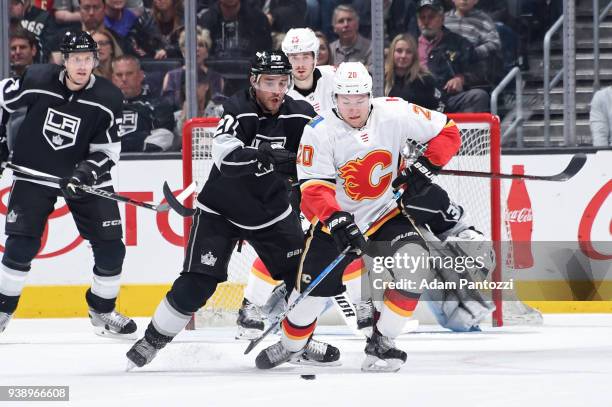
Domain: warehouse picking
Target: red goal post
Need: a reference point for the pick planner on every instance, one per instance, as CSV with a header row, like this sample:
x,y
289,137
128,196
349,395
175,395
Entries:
x,y
480,151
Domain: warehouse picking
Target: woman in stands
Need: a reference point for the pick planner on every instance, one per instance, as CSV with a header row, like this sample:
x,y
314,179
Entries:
x,y
174,81
168,16
406,78
108,49
323,58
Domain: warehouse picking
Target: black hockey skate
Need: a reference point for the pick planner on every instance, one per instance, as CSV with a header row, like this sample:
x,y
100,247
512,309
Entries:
x,y
145,349
382,355
112,324
275,355
250,322
4,320
318,353
364,312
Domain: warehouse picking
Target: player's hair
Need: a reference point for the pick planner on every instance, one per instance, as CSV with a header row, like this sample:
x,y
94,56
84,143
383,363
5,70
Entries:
x,y
345,8
415,70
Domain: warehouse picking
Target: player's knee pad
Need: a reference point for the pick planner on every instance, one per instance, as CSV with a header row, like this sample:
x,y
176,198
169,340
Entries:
x,y
190,292
433,207
108,256
19,251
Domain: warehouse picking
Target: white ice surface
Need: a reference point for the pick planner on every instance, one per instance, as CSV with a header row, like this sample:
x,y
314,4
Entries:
x,y
566,362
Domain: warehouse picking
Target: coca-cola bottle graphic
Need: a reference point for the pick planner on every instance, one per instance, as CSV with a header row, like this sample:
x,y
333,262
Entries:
x,y
519,222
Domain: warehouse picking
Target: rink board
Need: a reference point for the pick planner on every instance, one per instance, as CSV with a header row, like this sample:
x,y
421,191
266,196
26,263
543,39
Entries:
x,y
562,211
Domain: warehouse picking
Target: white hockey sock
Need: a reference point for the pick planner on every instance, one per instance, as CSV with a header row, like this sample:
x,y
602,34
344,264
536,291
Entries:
x,y
106,287
396,310
12,281
260,284
301,321
167,320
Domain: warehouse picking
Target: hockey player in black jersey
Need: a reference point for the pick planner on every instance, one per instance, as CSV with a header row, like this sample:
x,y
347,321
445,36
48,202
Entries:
x,y
70,131
245,198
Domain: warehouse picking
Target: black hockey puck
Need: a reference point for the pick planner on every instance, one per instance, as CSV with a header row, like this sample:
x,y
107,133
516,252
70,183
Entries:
x,y
308,376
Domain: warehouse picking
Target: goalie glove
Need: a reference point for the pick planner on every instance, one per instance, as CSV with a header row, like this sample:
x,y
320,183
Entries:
x,y
417,176
84,174
345,233
276,157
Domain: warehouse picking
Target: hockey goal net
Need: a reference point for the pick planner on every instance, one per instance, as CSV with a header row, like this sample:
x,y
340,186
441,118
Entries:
x,y
480,151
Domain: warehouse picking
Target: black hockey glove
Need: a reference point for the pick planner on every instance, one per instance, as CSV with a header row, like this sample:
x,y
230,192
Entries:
x,y
84,174
345,232
417,176
281,159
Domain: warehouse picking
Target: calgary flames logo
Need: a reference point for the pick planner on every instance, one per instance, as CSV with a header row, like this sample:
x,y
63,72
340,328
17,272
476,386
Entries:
x,y
358,176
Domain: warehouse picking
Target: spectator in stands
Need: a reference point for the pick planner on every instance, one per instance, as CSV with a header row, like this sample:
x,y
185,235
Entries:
x,y
92,19
324,53
205,108
285,14
38,22
350,45
107,51
66,14
237,29
140,34
479,29
600,118
450,59
147,123
22,44
406,78
168,15
174,81
399,16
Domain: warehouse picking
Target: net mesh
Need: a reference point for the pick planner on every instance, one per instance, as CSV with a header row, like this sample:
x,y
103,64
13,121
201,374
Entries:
x,y
474,194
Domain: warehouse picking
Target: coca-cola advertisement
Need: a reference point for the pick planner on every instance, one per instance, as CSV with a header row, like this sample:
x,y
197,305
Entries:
x,y
519,223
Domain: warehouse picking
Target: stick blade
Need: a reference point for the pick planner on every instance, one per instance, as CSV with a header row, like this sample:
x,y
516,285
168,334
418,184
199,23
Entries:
x,y
175,204
575,165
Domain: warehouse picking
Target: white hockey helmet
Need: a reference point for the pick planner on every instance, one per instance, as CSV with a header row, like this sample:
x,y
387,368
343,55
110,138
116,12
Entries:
x,y
352,78
301,40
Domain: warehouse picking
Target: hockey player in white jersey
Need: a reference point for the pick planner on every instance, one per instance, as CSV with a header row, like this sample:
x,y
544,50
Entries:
x,y
347,161
313,84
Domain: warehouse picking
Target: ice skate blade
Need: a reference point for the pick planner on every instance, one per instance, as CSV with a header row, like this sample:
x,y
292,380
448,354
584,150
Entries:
x,y
307,362
130,366
372,364
105,333
247,333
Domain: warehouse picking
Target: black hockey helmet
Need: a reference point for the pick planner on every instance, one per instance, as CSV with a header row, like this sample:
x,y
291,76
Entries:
x,y
271,63
78,41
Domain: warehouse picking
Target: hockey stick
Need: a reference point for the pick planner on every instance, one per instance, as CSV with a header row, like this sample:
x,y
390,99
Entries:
x,y
175,202
575,165
41,176
275,325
